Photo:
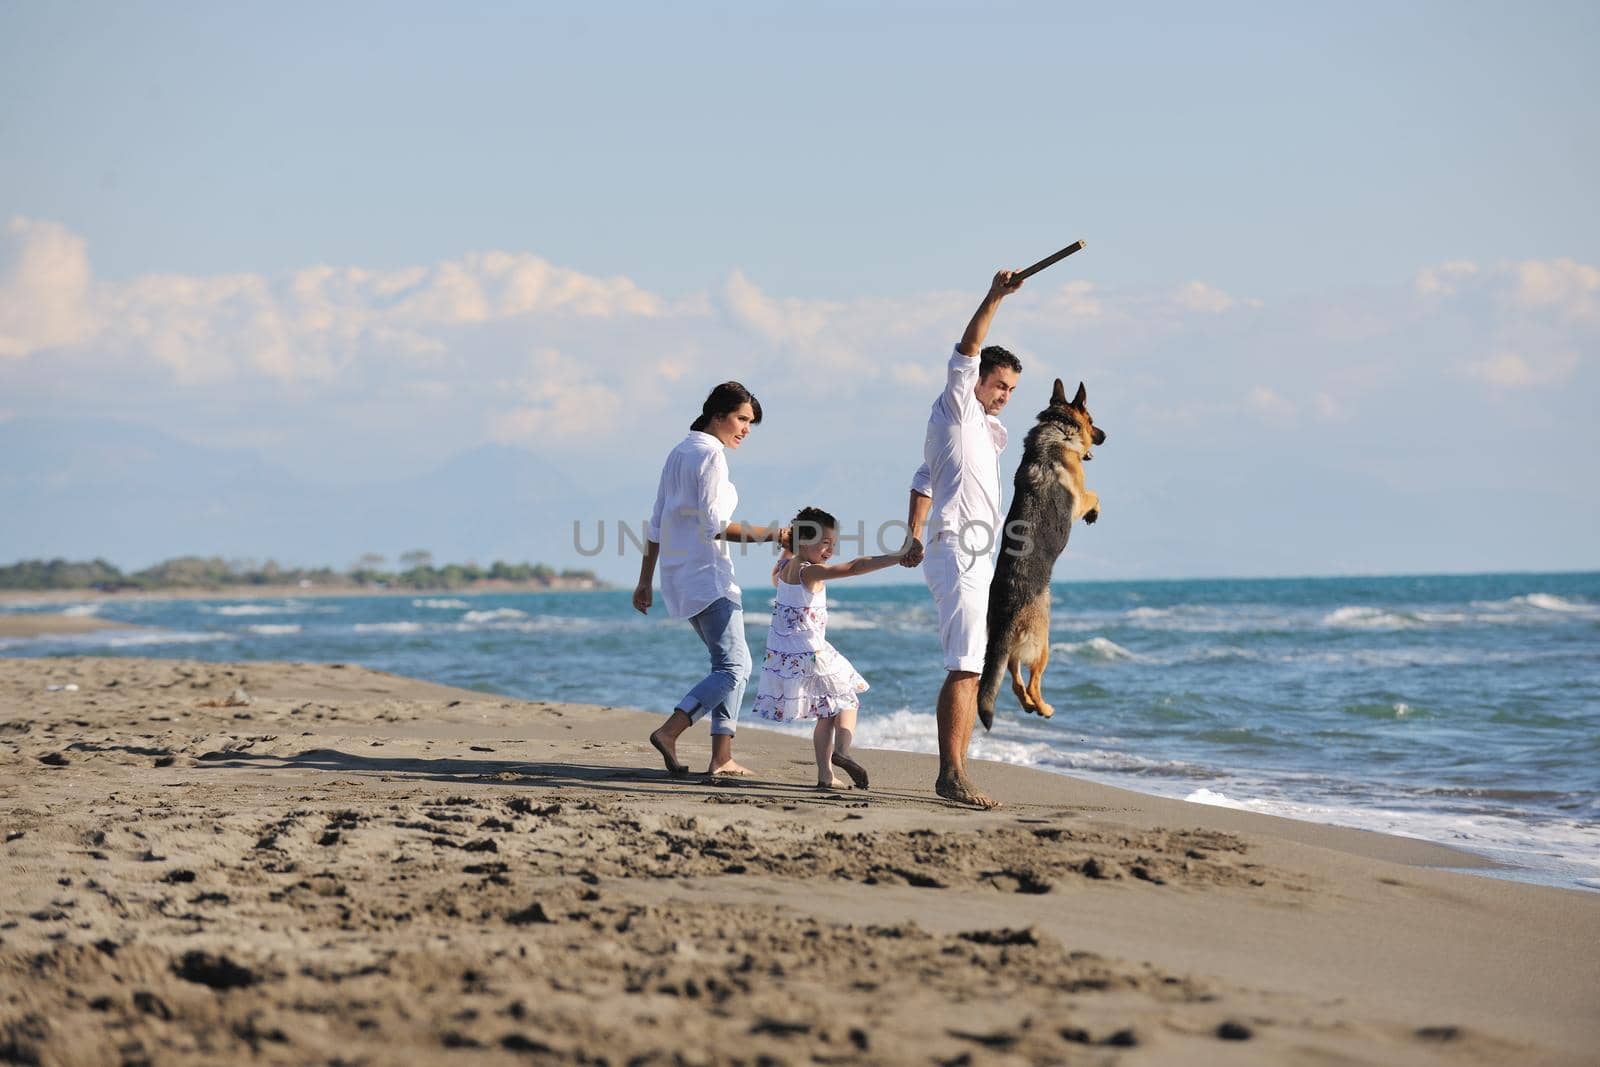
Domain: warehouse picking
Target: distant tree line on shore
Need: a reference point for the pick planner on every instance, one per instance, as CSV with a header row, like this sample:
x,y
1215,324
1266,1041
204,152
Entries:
x,y
416,571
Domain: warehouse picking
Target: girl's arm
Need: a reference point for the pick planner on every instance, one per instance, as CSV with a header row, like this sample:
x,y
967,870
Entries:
x,y
777,568
812,573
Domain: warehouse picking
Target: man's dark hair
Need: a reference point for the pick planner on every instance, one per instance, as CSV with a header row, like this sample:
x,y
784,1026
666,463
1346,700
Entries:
x,y
809,524
995,356
725,400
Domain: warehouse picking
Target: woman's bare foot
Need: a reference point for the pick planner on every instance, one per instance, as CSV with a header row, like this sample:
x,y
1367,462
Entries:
x,y
956,786
732,770
668,750
837,783
857,773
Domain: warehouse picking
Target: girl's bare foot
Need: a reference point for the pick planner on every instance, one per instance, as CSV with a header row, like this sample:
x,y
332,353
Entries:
x,y
732,769
857,773
669,755
837,783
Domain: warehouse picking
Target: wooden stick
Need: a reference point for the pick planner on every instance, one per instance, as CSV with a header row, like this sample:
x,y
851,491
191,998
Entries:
x,y
1048,261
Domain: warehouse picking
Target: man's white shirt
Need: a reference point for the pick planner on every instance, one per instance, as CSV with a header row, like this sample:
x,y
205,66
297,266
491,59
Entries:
x,y
694,502
961,460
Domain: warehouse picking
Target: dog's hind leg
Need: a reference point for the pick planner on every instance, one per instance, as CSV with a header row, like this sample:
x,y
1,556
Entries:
x,y
1016,684
1036,680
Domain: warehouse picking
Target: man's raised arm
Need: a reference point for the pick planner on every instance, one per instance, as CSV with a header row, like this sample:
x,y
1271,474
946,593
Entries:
x,y
978,328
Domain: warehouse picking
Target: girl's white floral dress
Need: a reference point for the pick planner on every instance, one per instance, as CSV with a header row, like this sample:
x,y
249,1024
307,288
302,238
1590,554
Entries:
x,y
804,677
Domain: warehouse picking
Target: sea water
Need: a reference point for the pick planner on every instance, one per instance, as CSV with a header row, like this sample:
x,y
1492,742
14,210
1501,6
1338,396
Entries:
x,y
1463,710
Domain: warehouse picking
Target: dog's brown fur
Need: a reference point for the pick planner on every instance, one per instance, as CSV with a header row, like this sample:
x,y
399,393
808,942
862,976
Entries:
x,y
1049,496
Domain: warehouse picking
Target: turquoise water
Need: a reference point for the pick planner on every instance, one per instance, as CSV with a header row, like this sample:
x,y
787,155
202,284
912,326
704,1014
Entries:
x,y
1463,709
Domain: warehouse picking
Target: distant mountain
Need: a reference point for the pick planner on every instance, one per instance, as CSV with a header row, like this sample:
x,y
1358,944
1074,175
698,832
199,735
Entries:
x,y
81,488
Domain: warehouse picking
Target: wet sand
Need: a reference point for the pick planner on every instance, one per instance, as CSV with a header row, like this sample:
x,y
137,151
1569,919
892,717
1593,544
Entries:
x,y
356,867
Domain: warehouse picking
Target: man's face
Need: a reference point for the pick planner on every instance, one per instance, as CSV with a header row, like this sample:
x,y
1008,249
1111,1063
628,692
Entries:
x,y
994,388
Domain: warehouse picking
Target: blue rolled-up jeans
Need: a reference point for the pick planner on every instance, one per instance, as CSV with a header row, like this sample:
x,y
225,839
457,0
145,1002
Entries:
x,y
721,627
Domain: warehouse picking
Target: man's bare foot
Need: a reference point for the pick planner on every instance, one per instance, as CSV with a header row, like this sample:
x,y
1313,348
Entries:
x,y
857,773
732,770
958,788
837,783
668,750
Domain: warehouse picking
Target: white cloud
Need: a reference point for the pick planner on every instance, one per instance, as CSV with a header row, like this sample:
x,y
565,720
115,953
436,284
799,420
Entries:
x,y
1564,286
1198,296
559,400
1444,279
1271,405
44,288
1509,370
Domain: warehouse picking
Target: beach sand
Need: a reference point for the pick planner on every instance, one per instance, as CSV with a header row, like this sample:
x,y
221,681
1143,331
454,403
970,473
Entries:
x,y
41,624
354,867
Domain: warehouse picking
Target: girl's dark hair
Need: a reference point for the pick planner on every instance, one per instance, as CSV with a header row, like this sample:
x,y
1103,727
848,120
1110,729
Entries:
x,y
725,400
809,524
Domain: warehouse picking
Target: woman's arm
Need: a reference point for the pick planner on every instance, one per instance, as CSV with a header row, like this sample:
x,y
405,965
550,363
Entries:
x,y
813,573
752,534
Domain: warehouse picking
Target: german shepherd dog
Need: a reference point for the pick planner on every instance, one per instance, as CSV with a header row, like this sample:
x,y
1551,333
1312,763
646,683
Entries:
x,y
1047,497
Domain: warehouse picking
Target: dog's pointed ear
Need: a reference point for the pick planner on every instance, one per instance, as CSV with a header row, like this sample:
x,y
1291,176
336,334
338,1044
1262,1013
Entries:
x,y
1082,397
1059,394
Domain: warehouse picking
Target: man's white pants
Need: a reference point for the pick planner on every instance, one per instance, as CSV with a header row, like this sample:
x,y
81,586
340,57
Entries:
x,y
959,582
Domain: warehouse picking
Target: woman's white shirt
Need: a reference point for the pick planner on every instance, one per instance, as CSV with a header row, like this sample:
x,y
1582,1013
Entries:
x,y
694,502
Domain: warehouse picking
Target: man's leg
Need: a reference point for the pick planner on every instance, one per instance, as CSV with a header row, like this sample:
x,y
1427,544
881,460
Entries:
x,y
957,712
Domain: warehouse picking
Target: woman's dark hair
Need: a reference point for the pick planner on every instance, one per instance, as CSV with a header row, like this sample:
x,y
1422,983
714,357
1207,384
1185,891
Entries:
x,y
809,524
725,400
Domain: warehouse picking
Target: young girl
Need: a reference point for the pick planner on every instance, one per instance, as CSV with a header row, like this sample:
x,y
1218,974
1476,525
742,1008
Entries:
x,y
804,677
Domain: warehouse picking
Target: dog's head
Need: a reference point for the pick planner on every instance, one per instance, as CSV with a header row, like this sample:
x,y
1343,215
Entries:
x,y
1073,417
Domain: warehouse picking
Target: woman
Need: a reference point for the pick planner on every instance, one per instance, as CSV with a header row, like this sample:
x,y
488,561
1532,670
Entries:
x,y
690,528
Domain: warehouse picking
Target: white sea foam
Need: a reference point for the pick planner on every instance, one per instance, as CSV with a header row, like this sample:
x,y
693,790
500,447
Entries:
x,y
440,603
252,609
846,620
497,615
388,627
1359,617
1102,649
162,637
1567,851
82,609
273,629
905,730
1551,602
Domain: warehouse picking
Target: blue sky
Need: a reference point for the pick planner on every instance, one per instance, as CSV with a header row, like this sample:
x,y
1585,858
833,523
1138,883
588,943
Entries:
x,y
1339,307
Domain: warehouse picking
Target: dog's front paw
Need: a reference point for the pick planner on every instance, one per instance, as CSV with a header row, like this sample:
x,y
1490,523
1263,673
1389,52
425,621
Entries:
x,y
1091,515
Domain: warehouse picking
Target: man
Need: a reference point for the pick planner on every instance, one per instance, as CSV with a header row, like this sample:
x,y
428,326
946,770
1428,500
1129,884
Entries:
x,y
959,481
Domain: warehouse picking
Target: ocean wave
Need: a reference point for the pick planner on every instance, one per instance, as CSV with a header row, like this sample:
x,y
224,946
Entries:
x,y
274,629
1099,649
288,608
1568,850
496,615
388,627
846,620
442,604
161,637
905,730
78,610
1359,617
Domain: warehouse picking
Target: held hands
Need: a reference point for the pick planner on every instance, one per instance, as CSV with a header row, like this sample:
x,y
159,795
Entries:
x,y
911,555
642,599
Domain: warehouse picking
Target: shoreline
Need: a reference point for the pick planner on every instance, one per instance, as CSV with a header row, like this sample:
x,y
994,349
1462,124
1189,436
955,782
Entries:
x,y
1482,858
47,597
394,868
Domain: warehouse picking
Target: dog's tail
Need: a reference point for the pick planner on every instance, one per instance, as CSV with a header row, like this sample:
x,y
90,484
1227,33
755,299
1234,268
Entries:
x,y
995,661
